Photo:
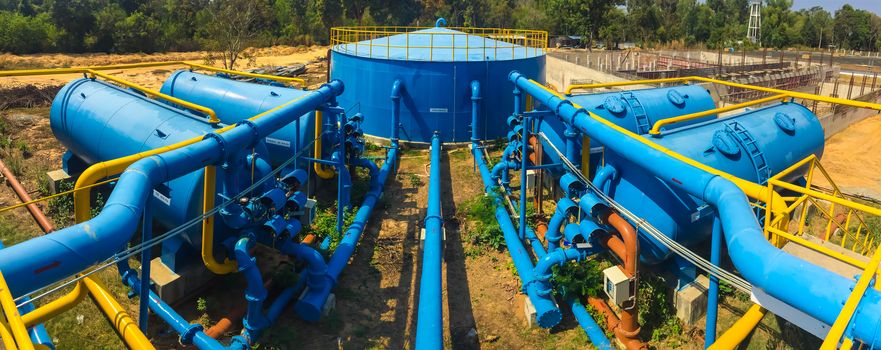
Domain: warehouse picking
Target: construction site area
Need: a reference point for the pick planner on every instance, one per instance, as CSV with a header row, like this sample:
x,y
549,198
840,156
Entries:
x,y
391,191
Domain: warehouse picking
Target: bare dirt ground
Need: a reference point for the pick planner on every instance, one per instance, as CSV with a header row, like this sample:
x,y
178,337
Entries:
x,y
852,158
151,77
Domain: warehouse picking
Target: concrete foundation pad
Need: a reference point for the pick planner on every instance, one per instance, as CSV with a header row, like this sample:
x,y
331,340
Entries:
x,y
691,300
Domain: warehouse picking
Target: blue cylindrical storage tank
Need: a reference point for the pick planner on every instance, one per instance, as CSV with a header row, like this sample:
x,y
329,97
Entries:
x,y
234,101
752,146
635,110
436,67
98,121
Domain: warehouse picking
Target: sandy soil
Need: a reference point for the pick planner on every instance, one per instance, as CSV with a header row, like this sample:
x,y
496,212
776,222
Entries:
x,y
151,77
851,158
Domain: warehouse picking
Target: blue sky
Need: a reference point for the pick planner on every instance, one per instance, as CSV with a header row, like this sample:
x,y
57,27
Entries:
x,y
832,5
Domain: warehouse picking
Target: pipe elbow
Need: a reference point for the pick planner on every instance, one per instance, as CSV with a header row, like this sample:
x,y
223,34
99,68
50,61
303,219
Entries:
x,y
336,87
397,85
475,90
441,22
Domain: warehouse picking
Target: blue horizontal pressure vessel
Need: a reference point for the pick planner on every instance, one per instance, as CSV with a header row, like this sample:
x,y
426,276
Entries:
x,y
234,101
634,110
436,67
98,121
753,146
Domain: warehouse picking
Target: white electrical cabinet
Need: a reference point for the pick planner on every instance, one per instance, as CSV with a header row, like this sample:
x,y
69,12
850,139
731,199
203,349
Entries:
x,y
618,286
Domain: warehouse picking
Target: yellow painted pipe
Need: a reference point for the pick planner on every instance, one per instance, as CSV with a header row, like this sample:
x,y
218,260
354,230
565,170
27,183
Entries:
x,y
740,329
656,129
13,318
585,157
320,170
55,307
118,317
228,266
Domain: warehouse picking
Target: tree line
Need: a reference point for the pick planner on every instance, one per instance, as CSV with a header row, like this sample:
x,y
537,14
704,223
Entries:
x,y
33,26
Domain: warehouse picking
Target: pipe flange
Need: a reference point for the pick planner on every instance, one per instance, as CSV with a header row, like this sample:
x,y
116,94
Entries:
x,y
561,104
186,338
253,129
220,141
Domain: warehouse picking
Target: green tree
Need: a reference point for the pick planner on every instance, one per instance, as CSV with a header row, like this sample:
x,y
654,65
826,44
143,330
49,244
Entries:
x,y
817,30
137,32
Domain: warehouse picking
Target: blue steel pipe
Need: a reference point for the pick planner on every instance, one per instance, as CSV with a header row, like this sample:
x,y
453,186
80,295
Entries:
x,y
547,312
429,325
475,111
565,207
397,86
68,251
255,293
310,304
596,333
38,333
809,288
713,292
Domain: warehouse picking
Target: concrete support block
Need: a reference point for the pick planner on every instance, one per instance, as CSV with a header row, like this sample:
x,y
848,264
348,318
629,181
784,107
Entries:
x,y
329,305
691,300
172,286
55,178
529,313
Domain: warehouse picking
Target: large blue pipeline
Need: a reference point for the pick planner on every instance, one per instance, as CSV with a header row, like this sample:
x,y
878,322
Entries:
x,y
821,293
429,325
68,251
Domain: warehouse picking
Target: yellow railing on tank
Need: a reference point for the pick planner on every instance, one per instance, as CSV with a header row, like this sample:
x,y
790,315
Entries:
x,y
376,42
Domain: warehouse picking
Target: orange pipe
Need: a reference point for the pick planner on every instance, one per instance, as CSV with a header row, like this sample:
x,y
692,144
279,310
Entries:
x,y
626,328
22,194
235,316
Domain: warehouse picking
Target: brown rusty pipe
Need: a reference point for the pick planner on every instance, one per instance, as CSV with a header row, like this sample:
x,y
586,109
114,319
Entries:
x,y
627,249
22,194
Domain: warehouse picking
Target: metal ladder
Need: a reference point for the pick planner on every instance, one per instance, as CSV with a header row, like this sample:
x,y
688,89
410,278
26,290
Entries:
x,y
763,172
642,120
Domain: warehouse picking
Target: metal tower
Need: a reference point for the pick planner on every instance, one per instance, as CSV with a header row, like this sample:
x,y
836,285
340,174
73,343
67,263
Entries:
x,y
754,29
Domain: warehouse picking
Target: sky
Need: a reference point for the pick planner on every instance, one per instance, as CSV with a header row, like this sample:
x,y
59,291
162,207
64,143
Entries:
x,y
832,5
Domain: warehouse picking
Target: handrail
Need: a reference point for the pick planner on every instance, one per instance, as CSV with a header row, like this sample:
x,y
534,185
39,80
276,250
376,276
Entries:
x,y
13,318
212,116
361,41
850,306
656,129
793,94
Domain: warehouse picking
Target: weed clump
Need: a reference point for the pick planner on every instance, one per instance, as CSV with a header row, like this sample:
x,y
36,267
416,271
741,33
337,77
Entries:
x,y
484,231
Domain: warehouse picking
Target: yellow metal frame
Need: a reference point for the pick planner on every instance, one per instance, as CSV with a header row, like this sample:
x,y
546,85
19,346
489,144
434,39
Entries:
x,y
320,170
351,40
13,321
